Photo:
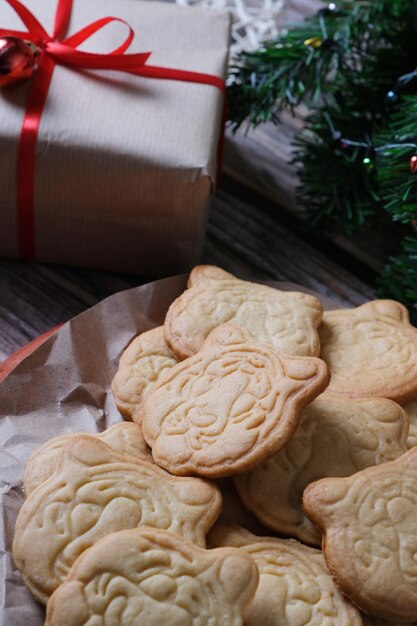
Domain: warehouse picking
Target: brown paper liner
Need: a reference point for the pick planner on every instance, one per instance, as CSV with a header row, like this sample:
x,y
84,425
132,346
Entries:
x,y
62,387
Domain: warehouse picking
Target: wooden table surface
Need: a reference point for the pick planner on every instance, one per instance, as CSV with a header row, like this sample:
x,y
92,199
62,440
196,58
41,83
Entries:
x,y
243,237
254,231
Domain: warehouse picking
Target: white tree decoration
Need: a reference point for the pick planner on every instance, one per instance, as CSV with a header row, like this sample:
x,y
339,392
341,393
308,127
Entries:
x,y
253,22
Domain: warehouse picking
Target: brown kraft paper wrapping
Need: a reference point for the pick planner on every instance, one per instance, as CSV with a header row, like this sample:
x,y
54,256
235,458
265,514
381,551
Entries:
x,y
124,164
63,387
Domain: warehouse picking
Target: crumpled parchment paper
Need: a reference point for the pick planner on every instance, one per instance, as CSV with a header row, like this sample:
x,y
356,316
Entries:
x,y
63,387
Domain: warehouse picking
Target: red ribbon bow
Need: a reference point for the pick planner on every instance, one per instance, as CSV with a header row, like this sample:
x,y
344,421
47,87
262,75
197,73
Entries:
x,y
54,50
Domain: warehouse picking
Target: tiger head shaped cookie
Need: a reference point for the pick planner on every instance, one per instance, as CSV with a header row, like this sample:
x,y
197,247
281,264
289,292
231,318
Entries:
x,y
294,584
142,363
154,578
369,521
95,491
125,438
371,351
233,404
286,320
336,436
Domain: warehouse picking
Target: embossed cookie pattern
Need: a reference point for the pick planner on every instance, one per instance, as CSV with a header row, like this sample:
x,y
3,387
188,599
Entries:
x,y
124,438
230,406
287,320
371,351
93,492
154,578
336,437
294,585
141,365
369,522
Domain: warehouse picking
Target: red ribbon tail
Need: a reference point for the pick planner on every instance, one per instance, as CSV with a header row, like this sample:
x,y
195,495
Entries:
x,y
167,73
28,19
62,18
27,156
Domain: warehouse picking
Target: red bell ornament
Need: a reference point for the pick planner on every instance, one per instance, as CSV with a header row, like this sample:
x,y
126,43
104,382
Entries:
x,y
17,61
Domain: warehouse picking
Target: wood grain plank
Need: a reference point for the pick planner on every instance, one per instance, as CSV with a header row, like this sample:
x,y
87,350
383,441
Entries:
x,y
242,238
34,297
271,250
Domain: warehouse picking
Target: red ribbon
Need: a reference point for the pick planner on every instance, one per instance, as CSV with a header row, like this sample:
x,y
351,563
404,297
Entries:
x,y
54,50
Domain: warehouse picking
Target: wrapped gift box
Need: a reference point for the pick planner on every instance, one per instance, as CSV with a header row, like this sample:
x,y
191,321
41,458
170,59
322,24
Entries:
x,y
125,164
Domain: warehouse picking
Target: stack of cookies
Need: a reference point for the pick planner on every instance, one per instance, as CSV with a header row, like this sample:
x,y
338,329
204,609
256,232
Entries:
x,y
267,476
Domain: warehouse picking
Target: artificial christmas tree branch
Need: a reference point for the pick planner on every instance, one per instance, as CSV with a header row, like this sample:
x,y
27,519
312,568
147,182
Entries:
x,y
353,65
399,279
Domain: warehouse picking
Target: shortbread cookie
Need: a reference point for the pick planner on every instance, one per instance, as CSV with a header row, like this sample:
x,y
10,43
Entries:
x,y
336,437
287,320
124,438
295,587
230,406
411,410
94,492
141,365
154,578
369,522
371,351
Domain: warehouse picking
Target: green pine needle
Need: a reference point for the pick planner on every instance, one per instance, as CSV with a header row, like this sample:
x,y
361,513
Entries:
x,y
354,153
399,279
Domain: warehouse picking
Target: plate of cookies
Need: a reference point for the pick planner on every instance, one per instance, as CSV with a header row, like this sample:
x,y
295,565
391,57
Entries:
x,y
208,451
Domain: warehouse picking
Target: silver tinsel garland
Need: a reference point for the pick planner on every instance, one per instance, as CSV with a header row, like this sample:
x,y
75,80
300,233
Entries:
x,y
253,22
